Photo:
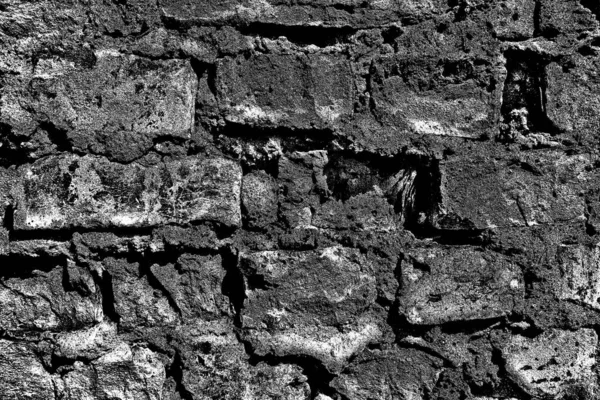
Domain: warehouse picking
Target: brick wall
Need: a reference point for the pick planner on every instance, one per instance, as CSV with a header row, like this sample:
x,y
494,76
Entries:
x,y
299,199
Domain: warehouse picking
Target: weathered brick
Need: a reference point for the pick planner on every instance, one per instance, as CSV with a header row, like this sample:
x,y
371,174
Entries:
x,y
194,284
580,274
23,375
444,284
41,302
71,191
480,192
440,80
260,199
572,97
513,19
389,374
215,365
322,13
121,92
136,302
126,372
558,17
556,363
295,91
295,300
119,105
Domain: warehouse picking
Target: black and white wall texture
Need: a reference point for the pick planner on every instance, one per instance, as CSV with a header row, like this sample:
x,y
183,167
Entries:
x,y
299,199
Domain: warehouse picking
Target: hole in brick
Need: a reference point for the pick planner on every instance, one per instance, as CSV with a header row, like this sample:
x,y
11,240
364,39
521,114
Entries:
x,y
390,35
593,6
524,94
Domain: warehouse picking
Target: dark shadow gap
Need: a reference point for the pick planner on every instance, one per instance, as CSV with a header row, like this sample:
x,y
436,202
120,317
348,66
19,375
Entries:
x,y
320,36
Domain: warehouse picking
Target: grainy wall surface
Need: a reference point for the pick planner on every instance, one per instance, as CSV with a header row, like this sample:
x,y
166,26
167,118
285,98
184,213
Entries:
x,y
299,199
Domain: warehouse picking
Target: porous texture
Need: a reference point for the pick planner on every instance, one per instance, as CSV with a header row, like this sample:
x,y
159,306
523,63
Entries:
x,y
299,199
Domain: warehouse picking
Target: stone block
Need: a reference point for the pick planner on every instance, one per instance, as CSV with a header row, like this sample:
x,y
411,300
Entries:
x,y
71,191
22,375
480,192
194,284
41,302
555,364
281,90
459,283
297,300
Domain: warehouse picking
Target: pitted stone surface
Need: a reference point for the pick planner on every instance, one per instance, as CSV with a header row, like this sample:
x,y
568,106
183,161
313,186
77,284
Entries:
x,y
457,284
92,192
294,91
295,300
120,104
554,363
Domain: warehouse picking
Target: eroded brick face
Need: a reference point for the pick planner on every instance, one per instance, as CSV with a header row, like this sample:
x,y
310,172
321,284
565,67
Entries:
x,y
299,199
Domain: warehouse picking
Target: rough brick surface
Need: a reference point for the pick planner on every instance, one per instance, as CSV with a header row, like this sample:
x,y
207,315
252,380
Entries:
x,y
299,199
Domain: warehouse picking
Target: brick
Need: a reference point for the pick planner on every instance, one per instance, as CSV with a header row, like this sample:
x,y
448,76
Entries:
x,y
295,300
295,91
70,191
444,284
557,17
394,373
24,376
120,92
418,91
540,365
194,284
322,13
41,302
572,97
480,192
260,199
117,106
217,366
125,372
580,275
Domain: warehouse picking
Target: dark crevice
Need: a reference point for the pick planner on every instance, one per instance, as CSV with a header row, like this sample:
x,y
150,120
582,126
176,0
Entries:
x,y
22,267
593,6
473,325
9,219
62,365
108,297
390,35
292,139
206,71
175,372
401,327
65,234
404,180
453,237
319,36
11,149
349,8
233,285
57,136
